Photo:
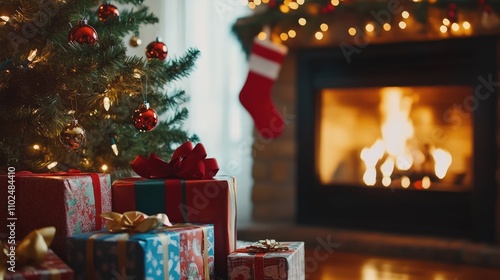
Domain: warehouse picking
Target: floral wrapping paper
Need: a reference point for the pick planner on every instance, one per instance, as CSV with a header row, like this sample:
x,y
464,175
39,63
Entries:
x,y
288,265
67,202
142,254
211,201
53,268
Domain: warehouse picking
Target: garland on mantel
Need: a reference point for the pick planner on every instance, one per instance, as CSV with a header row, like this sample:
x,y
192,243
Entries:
x,y
312,20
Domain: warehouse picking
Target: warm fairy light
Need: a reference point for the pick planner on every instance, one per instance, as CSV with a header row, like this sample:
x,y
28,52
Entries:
x,y
387,26
443,29
283,36
352,31
446,21
52,165
262,36
417,1
369,27
284,9
292,33
104,167
323,27
405,14
293,5
265,1
32,54
114,148
137,74
426,182
455,26
335,2
251,5
5,18
301,2
107,103
405,182
257,2
466,25
402,24
318,35
36,147
302,21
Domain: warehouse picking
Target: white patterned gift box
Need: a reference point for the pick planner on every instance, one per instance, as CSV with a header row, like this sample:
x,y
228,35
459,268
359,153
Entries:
x,y
179,252
281,264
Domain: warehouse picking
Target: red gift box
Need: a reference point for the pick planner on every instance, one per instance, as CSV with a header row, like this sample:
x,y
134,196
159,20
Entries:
x,y
210,201
71,202
288,264
51,268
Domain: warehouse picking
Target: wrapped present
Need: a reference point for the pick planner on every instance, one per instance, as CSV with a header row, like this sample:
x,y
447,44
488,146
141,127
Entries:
x,y
31,259
268,259
69,201
185,190
181,251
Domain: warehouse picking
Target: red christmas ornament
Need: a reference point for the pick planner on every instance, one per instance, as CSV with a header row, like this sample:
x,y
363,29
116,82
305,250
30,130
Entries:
x,y
328,8
145,118
156,49
107,11
72,135
83,33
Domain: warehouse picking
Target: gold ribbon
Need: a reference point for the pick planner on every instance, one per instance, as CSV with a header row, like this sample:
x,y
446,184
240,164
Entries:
x,y
31,250
134,221
267,245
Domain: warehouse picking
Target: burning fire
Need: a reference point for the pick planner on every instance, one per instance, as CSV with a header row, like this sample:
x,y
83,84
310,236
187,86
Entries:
x,y
395,152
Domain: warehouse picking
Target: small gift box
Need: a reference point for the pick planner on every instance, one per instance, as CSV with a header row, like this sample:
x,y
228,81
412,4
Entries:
x,y
267,259
138,247
183,188
31,259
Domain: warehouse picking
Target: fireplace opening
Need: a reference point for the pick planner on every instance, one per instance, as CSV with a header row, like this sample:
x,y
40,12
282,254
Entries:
x,y
399,138
395,137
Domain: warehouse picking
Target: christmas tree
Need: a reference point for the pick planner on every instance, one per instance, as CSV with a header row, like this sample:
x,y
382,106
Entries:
x,y
60,64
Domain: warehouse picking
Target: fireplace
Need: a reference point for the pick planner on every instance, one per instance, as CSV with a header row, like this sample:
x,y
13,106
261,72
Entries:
x,y
399,138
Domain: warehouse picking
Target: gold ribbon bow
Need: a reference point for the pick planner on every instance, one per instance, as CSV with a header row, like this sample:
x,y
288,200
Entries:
x,y
31,250
134,221
267,245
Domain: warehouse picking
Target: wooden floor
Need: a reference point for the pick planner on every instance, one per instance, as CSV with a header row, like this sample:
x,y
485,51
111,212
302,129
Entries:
x,y
350,266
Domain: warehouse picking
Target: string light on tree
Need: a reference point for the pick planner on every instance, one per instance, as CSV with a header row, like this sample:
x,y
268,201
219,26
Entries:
x,y
106,103
104,167
114,147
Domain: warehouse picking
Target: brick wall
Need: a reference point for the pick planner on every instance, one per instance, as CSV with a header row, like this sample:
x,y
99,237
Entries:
x,y
274,173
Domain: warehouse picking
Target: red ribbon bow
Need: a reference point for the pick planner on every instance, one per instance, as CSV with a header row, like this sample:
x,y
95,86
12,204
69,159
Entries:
x,y
186,163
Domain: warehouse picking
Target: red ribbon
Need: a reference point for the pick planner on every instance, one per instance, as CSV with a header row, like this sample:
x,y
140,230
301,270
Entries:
x,y
96,185
186,163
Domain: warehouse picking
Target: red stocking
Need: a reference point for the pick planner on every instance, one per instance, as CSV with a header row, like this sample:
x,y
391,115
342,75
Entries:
x,y
265,63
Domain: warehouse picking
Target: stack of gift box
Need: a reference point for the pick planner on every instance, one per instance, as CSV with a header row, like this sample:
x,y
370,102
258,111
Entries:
x,y
176,221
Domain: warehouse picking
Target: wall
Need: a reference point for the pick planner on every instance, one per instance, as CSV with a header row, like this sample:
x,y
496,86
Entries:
x,y
274,170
